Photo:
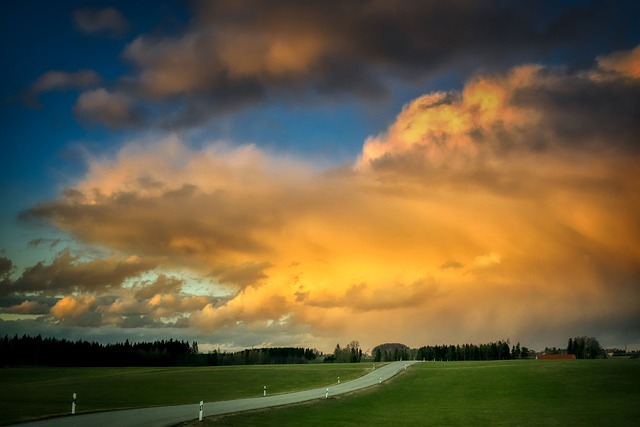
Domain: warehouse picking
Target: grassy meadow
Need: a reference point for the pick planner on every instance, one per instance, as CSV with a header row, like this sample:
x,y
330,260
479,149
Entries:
x,y
39,392
511,393
523,393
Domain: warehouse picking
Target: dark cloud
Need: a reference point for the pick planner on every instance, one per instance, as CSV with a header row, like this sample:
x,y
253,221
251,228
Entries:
x,y
88,319
52,243
364,298
138,321
6,267
68,273
25,302
112,109
243,275
26,307
585,113
417,34
451,264
61,80
162,285
236,53
56,80
108,21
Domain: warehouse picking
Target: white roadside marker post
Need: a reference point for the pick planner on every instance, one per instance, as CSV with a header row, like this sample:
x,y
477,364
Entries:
x,y
201,410
338,380
73,405
380,382
265,391
326,395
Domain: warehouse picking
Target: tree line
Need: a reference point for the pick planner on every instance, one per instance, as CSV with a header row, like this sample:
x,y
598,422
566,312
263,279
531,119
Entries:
x,y
54,352
499,350
582,347
390,352
39,351
261,356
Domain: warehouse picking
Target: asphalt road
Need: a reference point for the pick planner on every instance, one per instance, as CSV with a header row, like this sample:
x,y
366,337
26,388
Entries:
x,y
171,415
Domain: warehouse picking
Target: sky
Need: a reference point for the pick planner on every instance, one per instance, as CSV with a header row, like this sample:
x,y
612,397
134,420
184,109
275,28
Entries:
x,y
283,173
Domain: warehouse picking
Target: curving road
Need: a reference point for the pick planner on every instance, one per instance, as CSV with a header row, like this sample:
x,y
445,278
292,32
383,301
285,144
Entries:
x,y
171,415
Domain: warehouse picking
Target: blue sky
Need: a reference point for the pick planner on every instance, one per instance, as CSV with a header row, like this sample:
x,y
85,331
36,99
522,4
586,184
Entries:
x,y
186,168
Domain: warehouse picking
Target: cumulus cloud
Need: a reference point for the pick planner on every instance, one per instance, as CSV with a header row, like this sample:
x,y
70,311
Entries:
x,y
108,21
496,121
467,220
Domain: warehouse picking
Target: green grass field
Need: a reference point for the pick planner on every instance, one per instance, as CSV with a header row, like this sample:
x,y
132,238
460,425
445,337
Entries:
x,y
514,393
38,392
523,393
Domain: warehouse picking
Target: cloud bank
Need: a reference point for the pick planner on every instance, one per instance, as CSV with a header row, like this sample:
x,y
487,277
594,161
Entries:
x,y
234,54
507,209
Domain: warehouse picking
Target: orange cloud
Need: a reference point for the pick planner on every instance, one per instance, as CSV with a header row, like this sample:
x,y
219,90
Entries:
x,y
449,126
70,306
626,63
